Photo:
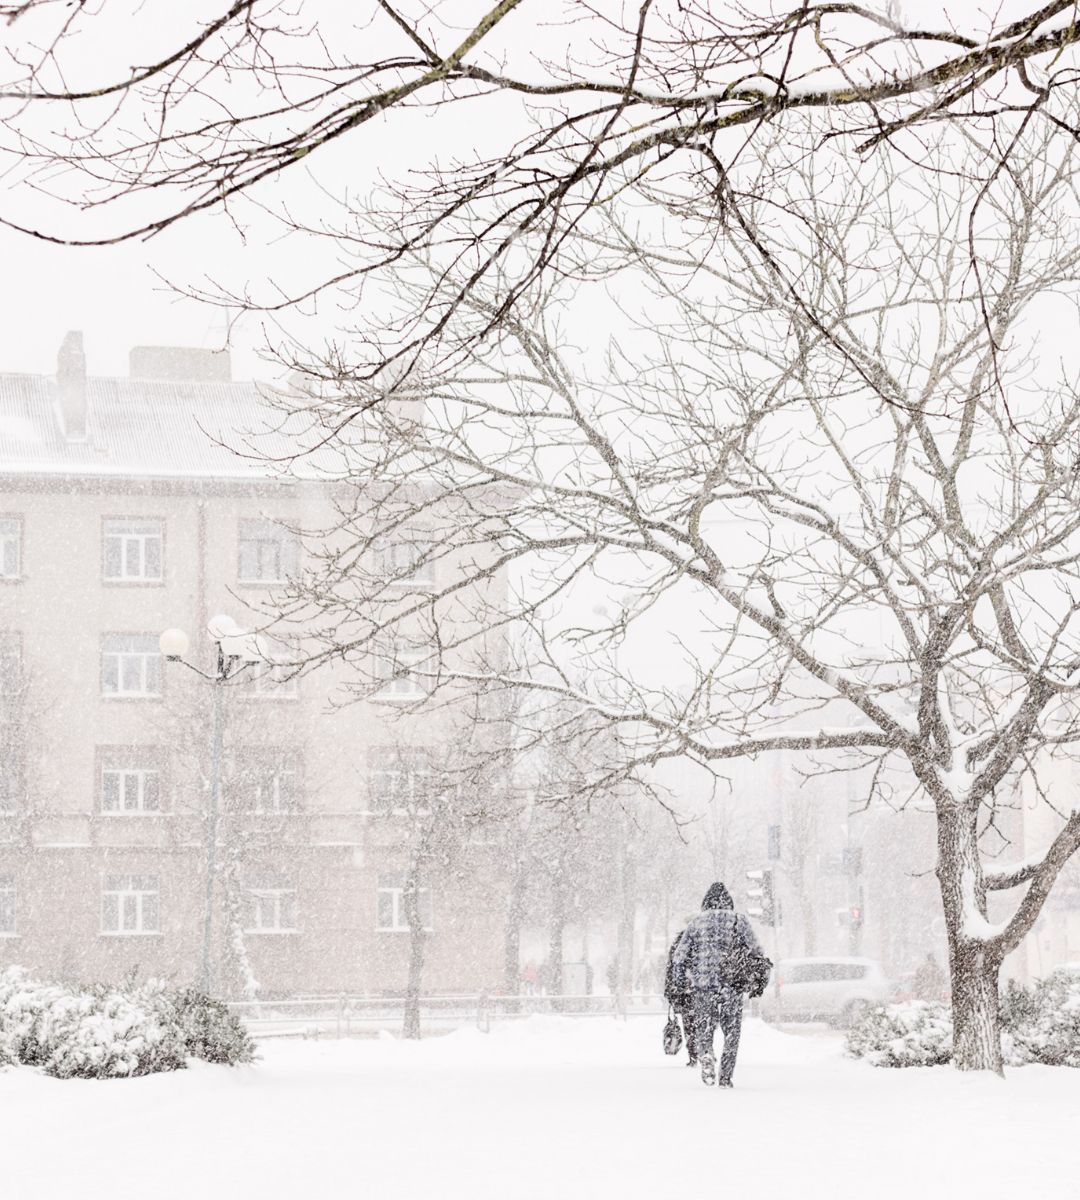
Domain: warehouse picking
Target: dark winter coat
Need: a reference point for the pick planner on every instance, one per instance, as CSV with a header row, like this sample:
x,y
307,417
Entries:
x,y
673,994
703,958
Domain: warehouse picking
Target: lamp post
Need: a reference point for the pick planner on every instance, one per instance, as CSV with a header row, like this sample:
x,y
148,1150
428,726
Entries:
x,y
235,650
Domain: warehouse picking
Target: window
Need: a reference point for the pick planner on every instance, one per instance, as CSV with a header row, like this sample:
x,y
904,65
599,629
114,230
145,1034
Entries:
x,y
267,552
398,658
133,551
400,777
271,904
130,782
407,562
130,665
277,677
129,904
7,905
266,782
10,547
390,914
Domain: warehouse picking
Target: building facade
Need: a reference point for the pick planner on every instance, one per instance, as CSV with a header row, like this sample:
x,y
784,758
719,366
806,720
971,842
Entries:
x,y
122,513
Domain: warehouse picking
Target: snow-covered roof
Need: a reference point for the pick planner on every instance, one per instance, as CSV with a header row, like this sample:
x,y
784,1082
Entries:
x,y
144,427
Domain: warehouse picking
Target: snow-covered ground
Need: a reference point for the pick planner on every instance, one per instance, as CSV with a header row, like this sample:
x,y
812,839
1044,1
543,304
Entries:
x,y
549,1107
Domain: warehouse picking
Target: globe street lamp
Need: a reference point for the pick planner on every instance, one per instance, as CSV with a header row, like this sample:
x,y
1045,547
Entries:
x,y
236,650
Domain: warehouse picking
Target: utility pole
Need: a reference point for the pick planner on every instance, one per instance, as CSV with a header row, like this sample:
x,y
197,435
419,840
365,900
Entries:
x,y
234,651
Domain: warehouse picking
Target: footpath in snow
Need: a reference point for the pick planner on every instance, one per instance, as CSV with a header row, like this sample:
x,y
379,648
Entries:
x,y
548,1107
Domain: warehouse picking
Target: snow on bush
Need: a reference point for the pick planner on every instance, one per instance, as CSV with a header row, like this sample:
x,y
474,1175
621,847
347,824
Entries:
x,y
211,1032
1038,1025
106,1032
917,1033
1043,1024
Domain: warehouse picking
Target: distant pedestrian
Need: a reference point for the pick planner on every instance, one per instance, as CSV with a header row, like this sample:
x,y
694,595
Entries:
x,y
529,977
716,960
679,996
929,981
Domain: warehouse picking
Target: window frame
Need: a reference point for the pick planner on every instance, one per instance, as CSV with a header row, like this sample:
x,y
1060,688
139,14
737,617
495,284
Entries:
x,y
259,682
276,763
288,545
423,571
396,893
20,530
127,760
125,580
257,896
144,655
139,908
390,760
394,685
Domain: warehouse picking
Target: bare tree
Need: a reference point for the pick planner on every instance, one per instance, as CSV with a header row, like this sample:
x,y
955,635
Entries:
x,y
849,504
220,108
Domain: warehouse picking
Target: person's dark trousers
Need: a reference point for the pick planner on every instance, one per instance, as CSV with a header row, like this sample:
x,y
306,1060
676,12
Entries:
x,y
723,1008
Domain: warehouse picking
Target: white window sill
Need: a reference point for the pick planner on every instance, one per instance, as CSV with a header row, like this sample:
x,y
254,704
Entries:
x,y
401,929
135,812
271,932
132,695
131,933
9,935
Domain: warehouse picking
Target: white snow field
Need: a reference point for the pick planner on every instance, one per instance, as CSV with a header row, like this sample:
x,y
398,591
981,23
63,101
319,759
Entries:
x,y
547,1107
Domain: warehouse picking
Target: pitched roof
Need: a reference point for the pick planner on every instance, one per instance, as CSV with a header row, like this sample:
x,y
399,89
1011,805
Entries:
x,y
152,428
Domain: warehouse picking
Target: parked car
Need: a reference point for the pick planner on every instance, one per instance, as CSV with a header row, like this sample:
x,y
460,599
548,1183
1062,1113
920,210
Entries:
x,y
838,990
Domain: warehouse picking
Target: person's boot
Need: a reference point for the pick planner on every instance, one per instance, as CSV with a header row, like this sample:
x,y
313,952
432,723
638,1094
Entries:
x,y
724,1083
708,1069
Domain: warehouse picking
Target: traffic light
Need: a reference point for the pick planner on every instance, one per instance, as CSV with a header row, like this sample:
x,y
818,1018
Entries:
x,y
761,896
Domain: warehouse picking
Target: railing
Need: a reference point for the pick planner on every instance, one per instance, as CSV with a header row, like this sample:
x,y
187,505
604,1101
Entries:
x,y
359,1016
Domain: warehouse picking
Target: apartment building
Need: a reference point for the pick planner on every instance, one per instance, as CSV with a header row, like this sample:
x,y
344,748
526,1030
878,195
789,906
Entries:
x,y
123,513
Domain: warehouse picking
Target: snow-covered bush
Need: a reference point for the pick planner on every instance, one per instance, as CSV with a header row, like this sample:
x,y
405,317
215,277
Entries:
x,y
107,1032
1043,1023
94,1033
917,1033
210,1031
1038,1025
102,1034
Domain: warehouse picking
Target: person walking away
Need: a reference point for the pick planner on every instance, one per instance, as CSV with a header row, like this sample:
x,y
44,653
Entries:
x,y
681,999
929,982
703,964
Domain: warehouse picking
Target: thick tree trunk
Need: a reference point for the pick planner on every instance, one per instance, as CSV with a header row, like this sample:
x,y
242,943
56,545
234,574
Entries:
x,y
976,1019
973,970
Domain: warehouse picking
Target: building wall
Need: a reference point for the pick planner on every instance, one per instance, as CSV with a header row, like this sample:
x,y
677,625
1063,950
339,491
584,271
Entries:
x,y
59,846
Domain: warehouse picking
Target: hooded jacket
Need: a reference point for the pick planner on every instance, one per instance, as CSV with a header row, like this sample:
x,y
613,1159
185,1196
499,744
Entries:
x,y
702,960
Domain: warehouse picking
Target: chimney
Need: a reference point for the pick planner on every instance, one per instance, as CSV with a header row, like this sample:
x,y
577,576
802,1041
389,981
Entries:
x,y
71,386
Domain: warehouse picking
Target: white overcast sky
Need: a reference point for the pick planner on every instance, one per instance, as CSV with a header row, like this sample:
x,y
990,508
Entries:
x,y
116,298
